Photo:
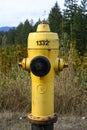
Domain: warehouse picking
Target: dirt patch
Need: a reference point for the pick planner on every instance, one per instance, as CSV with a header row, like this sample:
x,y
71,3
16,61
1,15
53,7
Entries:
x,y
19,121
71,123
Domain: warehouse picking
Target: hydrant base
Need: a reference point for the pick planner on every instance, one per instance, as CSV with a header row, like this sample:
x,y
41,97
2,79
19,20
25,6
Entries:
x,y
42,127
43,121
40,123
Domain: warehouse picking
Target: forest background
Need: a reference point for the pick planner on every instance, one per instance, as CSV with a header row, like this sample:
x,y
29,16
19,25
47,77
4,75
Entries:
x,y
71,84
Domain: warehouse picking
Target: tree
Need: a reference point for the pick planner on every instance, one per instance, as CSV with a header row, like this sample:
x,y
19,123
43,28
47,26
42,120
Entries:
x,y
22,32
19,34
69,12
83,6
11,36
27,28
36,24
1,36
80,28
55,19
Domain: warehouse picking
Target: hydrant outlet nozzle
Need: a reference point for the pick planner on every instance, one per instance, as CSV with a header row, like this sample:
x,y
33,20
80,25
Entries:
x,y
60,64
25,64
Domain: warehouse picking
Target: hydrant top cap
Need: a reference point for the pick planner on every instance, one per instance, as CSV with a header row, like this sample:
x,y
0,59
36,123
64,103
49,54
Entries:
x,y
43,27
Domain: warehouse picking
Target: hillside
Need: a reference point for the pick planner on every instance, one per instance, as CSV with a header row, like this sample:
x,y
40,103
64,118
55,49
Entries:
x,y
6,28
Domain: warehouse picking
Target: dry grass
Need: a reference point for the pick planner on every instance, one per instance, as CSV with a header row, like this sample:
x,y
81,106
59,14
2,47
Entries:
x,y
70,96
15,90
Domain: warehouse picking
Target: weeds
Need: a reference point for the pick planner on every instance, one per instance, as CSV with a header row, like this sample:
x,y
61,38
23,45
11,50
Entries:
x,y
15,90
15,84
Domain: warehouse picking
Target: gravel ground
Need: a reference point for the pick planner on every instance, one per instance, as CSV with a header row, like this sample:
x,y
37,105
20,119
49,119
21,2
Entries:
x,y
18,121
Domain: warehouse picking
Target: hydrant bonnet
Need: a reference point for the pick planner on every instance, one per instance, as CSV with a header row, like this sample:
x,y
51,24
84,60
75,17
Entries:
x,y
43,27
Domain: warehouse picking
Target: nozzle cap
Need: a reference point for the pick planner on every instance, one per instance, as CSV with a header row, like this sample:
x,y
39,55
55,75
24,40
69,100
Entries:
x,y
40,66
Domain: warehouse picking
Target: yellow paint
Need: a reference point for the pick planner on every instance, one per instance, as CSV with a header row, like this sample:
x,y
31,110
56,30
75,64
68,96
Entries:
x,y
43,43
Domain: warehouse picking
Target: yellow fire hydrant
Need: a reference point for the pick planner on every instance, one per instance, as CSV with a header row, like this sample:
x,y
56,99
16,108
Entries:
x,y
43,65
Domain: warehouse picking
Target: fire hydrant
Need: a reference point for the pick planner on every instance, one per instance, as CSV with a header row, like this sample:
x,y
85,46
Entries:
x,y
43,65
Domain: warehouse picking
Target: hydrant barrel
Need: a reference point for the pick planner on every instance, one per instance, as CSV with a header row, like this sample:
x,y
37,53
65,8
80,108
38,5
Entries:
x,y
43,65
42,51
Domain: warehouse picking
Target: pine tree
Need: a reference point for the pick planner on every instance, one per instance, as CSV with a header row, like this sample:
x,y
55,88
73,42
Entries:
x,y
19,34
70,10
55,19
80,28
83,6
11,36
1,36
27,28
36,24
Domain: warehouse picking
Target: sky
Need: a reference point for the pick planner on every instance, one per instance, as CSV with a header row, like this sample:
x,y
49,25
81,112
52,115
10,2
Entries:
x,y
13,12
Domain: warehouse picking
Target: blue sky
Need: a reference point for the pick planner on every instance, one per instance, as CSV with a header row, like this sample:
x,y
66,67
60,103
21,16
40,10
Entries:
x,y
12,12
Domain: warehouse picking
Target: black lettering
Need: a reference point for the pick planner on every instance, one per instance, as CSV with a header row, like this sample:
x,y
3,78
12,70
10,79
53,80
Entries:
x,y
42,43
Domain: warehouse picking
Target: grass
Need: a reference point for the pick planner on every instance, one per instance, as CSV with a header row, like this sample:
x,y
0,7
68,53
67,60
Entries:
x,y
15,85
69,96
15,90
